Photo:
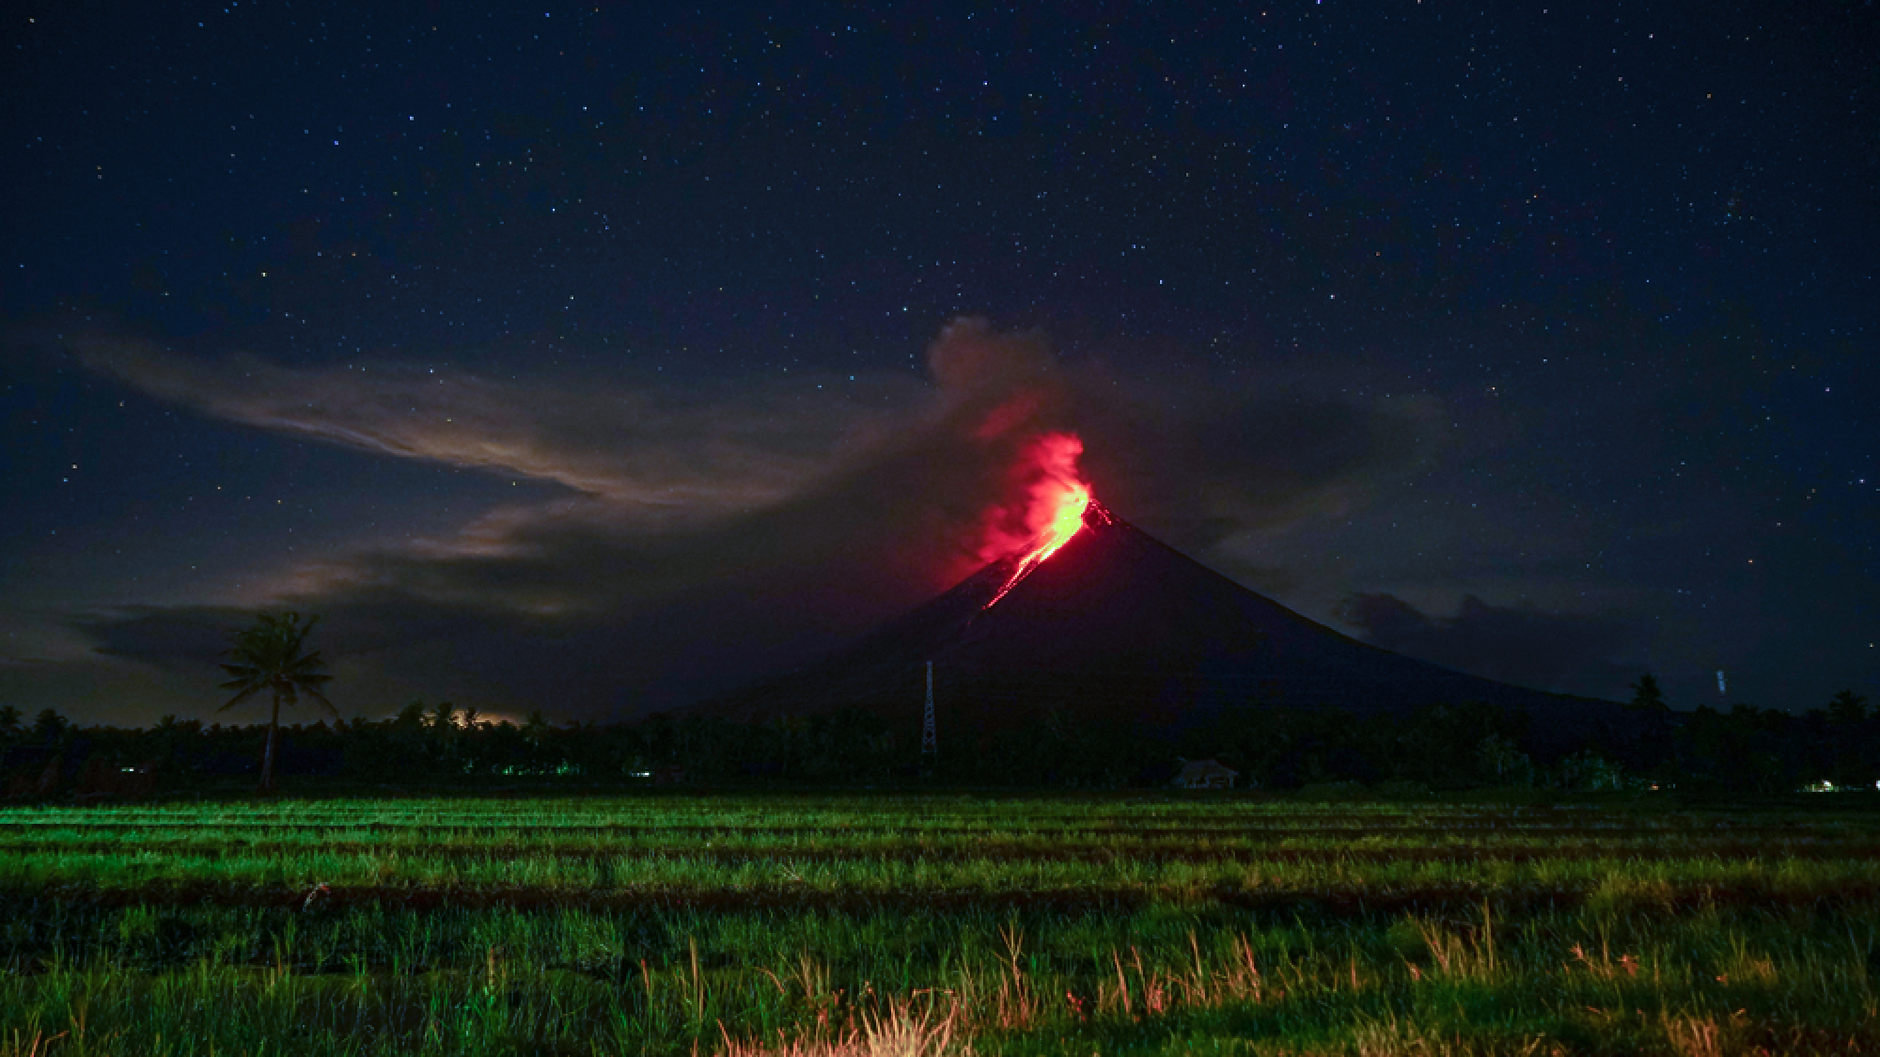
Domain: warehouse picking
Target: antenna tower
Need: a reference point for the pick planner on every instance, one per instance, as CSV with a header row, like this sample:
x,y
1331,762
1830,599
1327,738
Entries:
x,y
928,746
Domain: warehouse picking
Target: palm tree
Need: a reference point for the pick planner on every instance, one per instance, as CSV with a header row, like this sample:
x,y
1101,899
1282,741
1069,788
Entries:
x,y
1647,697
268,657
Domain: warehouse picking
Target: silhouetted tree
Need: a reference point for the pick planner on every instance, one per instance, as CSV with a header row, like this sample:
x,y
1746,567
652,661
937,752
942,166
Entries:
x,y
1646,697
48,725
1848,709
269,657
1848,739
538,733
410,718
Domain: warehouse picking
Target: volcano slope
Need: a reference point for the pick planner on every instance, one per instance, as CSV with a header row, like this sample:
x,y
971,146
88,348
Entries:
x,y
1118,627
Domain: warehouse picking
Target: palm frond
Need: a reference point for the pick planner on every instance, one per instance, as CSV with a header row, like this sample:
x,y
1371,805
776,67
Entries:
x,y
320,697
248,691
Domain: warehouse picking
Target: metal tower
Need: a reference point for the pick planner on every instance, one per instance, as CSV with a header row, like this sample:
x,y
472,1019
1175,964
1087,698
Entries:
x,y
928,746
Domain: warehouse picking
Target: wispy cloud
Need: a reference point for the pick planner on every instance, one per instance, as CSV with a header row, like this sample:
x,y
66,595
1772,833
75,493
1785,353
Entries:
x,y
630,446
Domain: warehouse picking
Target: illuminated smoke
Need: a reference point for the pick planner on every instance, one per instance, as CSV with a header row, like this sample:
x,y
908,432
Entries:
x,y
1056,498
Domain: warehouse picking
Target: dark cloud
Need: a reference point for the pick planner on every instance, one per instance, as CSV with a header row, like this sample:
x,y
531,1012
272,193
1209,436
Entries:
x,y
177,638
1563,652
706,543
1200,464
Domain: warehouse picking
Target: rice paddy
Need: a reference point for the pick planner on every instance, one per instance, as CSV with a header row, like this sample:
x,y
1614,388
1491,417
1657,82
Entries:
x,y
868,923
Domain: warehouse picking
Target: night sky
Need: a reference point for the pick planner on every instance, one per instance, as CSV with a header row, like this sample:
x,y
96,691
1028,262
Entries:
x,y
598,358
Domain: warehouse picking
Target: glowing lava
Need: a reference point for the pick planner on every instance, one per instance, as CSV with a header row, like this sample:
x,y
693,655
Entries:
x,y
1058,500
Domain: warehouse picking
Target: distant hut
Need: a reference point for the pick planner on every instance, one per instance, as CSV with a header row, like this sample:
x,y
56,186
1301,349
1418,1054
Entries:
x,y
1206,774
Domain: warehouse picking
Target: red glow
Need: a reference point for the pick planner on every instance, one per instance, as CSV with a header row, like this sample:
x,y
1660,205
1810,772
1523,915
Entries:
x,y
1054,511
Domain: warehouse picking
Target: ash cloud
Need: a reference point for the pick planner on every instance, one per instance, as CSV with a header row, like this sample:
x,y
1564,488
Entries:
x,y
1567,653
1200,464
708,540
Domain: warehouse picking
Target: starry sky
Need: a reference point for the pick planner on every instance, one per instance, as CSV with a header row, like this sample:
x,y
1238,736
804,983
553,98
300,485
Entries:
x,y
599,358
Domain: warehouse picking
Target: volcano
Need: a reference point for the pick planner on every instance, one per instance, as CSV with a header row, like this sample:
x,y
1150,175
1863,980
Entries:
x,y
1103,622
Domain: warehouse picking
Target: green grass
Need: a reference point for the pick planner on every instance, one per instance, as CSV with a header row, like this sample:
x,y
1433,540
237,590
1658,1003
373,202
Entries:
x,y
926,924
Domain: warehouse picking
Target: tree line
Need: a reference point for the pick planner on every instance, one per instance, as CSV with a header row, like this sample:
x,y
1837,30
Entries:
x,y
1743,749
1447,746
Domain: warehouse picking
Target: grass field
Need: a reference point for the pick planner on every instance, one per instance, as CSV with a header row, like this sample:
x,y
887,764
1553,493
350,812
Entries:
x,y
929,924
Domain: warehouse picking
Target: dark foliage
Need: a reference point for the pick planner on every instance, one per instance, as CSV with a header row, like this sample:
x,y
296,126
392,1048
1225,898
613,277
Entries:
x,y
1464,745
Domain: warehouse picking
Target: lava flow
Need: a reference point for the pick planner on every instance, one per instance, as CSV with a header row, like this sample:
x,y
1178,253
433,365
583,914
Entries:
x,y
1058,500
